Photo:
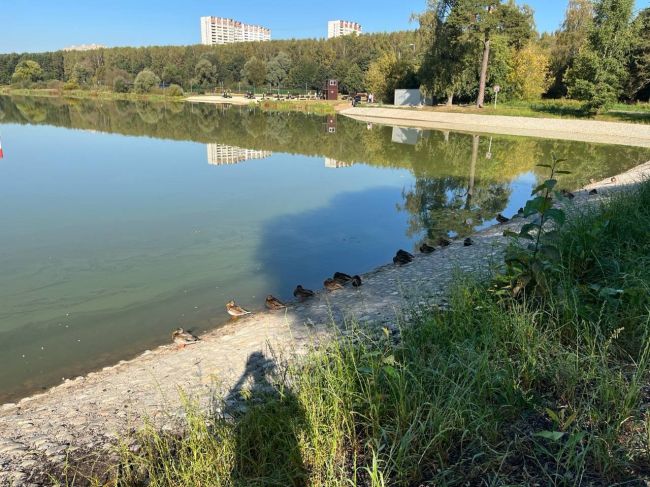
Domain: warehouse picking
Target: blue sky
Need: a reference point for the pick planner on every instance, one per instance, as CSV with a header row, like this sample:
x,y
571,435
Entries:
x,y
42,25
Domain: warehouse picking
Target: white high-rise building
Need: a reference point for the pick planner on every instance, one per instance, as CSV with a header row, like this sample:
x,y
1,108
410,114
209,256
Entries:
x,y
338,28
220,154
219,30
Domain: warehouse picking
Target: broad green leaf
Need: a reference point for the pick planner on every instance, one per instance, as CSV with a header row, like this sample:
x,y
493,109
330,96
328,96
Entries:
x,y
557,215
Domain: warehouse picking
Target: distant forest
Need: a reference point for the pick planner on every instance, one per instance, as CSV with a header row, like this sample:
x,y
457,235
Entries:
x,y
459,52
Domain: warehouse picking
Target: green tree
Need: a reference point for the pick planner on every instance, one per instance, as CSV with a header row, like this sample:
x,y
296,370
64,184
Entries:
x,y
146,81
278,69
205,73
120,85
81,73
389,73
639,83
600,71
463,27
171,73
353,81
569,39
27,72
254,71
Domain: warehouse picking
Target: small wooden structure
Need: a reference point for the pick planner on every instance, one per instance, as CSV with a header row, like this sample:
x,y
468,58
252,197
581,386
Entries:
x,y
332,89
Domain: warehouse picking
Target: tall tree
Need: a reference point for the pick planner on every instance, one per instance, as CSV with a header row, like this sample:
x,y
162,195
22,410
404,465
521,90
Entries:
x,y
569,39
27,72
254,71
600,70
465,25
639,84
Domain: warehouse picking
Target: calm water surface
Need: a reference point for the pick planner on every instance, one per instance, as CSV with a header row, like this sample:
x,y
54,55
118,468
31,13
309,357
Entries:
x,y
121,221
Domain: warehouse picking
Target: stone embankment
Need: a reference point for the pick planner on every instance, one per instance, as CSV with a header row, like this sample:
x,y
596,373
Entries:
x,y
594,131
90,413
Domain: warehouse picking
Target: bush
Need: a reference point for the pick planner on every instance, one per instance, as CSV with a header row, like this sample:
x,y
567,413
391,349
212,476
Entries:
x,y
55,84
174,90
71,85
120,85
146,81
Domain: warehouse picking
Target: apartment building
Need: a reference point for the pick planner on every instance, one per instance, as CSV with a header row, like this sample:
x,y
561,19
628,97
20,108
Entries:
x,y
219,30
338,28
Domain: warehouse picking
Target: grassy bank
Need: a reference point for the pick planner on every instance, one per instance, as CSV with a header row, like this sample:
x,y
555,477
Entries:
x,y
548,387
305,106
87,94
636,113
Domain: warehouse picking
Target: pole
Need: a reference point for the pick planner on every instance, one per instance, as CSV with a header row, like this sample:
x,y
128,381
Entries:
x,y
496,95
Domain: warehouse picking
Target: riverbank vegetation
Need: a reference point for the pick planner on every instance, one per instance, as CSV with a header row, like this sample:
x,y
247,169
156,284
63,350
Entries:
x,y
460,51
544,385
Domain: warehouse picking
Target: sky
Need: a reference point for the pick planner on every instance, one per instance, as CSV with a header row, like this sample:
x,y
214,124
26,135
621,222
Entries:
x,y
47,25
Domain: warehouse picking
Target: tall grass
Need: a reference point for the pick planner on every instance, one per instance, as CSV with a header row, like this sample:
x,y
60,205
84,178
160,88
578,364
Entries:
x,y
543,390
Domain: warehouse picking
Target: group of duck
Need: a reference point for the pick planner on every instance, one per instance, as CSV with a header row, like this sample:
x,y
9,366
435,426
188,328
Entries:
x,y
339,280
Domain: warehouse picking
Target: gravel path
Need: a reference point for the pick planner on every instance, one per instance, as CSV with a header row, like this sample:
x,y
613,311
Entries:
x,y
633,134
89,413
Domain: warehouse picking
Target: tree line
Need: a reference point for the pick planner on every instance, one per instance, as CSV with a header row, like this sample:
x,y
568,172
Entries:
x,y
460,51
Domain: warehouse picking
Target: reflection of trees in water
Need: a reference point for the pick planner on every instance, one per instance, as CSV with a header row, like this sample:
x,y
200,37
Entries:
x,y
438,154
440,206
150,113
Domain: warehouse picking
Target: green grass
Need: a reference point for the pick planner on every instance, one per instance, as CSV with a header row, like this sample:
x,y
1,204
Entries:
x,y
636,113
545,389
85,94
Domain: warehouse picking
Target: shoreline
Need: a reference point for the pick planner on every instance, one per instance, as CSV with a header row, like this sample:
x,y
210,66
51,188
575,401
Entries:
x,y
92,412
593,131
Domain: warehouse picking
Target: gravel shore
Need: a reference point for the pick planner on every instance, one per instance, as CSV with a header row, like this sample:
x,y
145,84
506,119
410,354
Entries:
x,y
90,413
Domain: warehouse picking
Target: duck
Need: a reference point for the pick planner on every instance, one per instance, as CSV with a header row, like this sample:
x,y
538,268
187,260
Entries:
x,y
274,303
502,219
356,281
182,338
567,194
468,241
401,260
426,248
235,310
444,242
402,257
332,285
405,254
342,277
593,192
613,179
302,293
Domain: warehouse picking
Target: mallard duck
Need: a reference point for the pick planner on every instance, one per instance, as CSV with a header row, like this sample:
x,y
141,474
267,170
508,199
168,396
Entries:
x,y
567,194
332,285
444,242
467,242
426,248
502,219
405,254
302,293
342,278
356,281
235,310
182,338
274,303
400,259
593,192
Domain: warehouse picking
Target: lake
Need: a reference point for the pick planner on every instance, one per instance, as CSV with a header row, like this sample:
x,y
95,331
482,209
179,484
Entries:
x,y
122,221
